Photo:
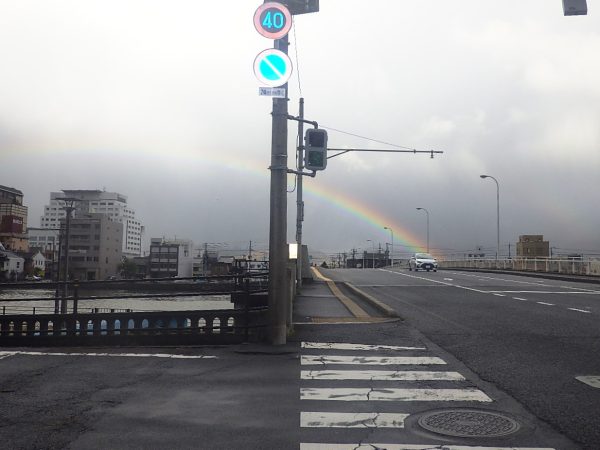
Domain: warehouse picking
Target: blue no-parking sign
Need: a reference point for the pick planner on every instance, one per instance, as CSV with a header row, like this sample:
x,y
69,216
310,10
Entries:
x,y
272,67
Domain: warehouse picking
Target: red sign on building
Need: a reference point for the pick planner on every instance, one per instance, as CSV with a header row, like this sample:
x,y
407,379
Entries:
x,y
11,224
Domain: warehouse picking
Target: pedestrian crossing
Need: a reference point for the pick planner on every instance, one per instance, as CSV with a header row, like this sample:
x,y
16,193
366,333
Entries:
x,y
371,391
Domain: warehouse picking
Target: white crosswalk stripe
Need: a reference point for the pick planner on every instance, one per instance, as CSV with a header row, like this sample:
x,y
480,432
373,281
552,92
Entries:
x,y
306,360
380,375
352,420
368,388
363,446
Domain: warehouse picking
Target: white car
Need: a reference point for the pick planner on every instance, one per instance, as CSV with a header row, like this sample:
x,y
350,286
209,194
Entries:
x,y
422,261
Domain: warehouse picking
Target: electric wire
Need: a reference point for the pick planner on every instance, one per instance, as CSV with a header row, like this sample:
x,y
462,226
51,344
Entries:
x,y
367,138
296,51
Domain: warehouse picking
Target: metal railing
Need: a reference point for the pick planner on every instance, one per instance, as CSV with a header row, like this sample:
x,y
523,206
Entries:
x,y
546,265
68,325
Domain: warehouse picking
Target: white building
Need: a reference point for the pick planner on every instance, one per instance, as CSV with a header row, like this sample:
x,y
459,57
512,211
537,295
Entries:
x,y
11,265
112,204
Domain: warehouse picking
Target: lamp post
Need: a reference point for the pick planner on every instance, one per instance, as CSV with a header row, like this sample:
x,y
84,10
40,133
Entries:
x,y
497,212
392,233
427,212
69,208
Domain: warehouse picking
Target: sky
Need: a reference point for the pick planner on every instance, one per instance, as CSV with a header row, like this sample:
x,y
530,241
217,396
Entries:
x,y
157,100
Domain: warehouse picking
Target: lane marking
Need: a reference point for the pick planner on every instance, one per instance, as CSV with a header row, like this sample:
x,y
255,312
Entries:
x,y
348,346
352,420
544,303
394,395
306,360
435,281
116,355
590,380
380,375
367,446
546,292
500,295
448,279
580,310
519,298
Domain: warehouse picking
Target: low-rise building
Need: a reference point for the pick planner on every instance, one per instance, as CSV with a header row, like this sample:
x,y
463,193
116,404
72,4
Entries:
x,y
13,220
170,258
533,246
12,266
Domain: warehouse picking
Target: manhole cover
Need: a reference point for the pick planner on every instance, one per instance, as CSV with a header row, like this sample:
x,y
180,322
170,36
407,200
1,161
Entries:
x,y
468,423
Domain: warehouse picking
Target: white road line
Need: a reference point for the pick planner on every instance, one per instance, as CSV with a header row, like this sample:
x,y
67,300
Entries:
x,y
544,303
590,380
394,395
366,446
351,420
306,360
520,298
546,292
579,289
435,281
580,310
346,346
380,375
121,355
535,283
500,295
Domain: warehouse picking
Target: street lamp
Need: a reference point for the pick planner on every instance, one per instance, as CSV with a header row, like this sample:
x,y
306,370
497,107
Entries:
x,y
392,233
423,209
497,212
69,208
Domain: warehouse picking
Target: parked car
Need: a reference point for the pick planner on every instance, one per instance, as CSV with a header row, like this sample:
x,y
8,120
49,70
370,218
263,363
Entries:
x,y
422,261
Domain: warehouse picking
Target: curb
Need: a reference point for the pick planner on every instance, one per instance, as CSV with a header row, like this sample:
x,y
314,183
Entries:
x,y
380,306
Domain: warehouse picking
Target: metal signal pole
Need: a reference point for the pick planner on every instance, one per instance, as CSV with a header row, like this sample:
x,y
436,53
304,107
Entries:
x,y
299,201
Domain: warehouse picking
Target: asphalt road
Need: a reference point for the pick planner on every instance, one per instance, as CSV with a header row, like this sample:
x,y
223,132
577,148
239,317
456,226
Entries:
x,y
528,337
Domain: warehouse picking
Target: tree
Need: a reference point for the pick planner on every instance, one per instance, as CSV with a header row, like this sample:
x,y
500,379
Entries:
x,y
127,268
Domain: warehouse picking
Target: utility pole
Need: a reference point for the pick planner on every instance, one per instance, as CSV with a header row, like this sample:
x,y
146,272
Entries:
x,y
278,250
299,200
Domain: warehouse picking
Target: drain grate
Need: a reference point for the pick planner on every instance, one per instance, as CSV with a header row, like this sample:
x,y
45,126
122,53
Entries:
x,y
468,423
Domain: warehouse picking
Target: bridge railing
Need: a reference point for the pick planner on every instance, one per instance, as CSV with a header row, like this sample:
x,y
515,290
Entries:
x,y
548,265
106,325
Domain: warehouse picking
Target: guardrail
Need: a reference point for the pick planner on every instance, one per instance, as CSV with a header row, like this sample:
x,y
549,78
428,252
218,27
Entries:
x,y
125,326
547,265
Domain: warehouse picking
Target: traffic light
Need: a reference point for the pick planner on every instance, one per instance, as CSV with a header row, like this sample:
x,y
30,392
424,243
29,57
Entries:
x,y
315,155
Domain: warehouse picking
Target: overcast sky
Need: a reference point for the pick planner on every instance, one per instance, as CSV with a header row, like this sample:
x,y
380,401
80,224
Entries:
x,y
157,100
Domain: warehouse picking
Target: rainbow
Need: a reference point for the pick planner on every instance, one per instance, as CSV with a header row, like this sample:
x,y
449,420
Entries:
x,y
363,212
343,202
376,219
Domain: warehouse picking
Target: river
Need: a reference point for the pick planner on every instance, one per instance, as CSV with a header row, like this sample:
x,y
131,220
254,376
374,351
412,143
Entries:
x,y
166,303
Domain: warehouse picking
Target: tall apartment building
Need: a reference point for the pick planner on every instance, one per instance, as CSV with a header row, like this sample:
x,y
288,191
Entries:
x,y
111,204
95,249
13,220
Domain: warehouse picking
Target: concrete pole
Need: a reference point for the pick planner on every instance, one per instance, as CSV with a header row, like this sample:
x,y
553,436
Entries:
x,y
278,250
299,201
63,303
497,212
392,233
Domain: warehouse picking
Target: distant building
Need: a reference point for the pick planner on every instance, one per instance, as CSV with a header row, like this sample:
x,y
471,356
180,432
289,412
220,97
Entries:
x,y
170,258
111,204
46,241
13,220
533,246
95,248
12,266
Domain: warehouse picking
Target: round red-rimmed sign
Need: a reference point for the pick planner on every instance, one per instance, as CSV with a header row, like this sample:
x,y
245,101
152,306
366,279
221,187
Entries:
x,y
272,20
